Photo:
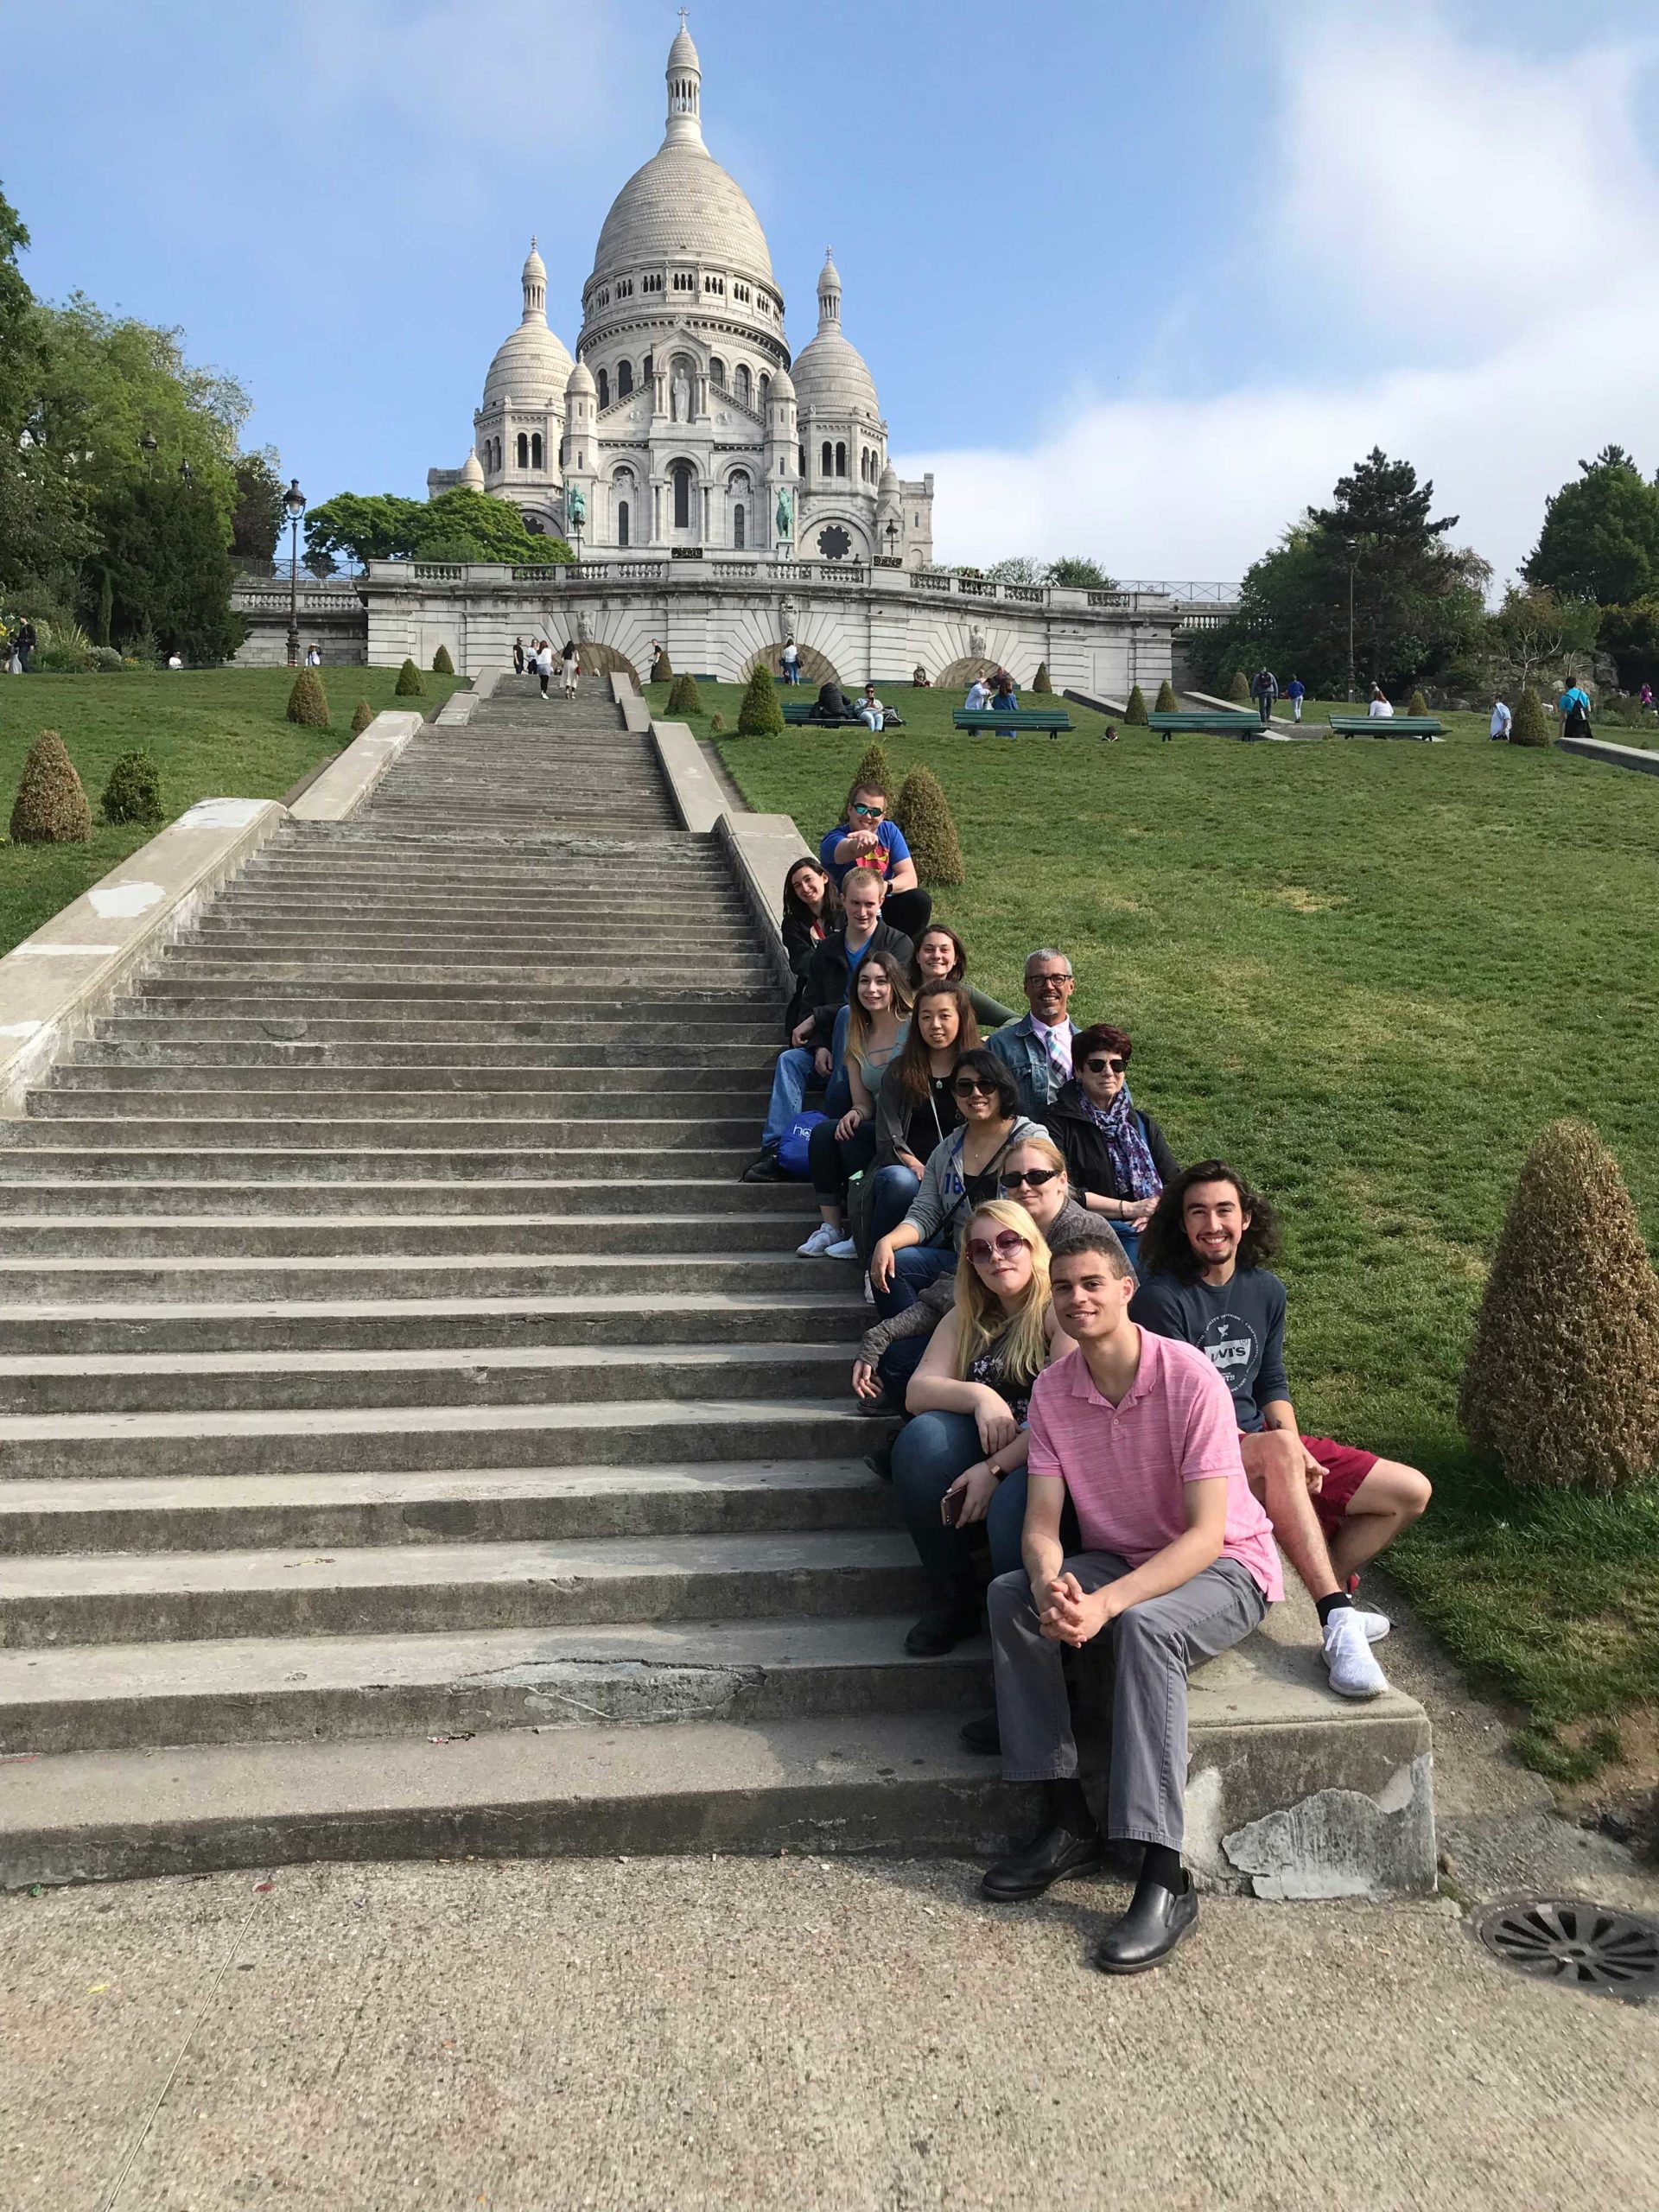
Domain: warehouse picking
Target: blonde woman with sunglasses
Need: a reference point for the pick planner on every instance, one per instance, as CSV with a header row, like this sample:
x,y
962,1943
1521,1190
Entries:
x,y
969,1399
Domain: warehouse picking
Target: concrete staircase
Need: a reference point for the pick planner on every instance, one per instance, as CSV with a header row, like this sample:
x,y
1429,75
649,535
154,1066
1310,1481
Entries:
x,y
392,1366
415,1439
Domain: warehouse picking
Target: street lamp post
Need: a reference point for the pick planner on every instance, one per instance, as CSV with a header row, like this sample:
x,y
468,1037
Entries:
x,y
1352,550
293,502
892,532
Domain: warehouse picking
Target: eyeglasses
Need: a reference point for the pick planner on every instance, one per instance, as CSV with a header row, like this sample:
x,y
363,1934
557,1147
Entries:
x,y
1041,982
1106,1064
870,813
970,1086
1016,1178
1005,1241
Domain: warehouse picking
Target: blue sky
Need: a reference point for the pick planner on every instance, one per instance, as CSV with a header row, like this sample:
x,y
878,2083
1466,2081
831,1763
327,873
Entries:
x,y
1136,281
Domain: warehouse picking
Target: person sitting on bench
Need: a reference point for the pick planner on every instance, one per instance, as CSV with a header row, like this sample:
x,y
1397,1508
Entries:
x,y
1004,695
959,1454
1178,1563
871,712
868,837
825,990
1204,1281
830,705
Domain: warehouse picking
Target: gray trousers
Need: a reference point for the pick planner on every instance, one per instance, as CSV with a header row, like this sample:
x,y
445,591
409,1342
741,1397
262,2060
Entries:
x,y
1154,1647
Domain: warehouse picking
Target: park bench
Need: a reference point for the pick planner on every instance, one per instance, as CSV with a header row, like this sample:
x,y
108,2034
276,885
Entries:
x,y
799,713
1427,727
1051,719
1209,721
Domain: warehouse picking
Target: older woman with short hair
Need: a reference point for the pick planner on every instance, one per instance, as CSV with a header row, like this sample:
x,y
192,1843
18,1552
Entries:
x,y
1116,1155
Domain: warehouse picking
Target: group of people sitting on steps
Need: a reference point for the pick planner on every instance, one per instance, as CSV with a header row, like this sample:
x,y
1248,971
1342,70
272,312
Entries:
x,y
1087,1341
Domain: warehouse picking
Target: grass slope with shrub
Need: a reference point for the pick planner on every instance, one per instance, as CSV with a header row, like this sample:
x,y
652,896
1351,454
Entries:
x,y
1370,974
217,732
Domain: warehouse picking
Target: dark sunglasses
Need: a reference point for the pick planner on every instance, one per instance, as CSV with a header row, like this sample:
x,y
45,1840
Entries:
x,y
1105,1063
1005,1241
871,813
970,1086
1017,1178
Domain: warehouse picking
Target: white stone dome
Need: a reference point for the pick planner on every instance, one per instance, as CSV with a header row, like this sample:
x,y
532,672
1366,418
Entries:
x,y
782,386
530,366
831,376
890,483
472,473
580,379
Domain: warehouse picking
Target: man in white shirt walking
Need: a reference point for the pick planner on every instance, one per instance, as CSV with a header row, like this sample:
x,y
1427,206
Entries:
x,y
1502,718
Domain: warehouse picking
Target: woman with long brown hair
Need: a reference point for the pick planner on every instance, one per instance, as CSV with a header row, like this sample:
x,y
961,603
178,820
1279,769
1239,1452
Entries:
x,y
876,1021
915,1110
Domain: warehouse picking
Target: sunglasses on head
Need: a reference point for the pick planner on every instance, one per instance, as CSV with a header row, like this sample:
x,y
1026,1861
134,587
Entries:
x,y
1005,1241
1106,1064
970,1086
1016,1178
871,813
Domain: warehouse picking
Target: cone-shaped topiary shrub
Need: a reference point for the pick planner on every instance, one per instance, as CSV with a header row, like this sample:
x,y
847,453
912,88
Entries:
x,y
133,790
1419,704
760,716
663,671
1167,703
923,813
1562,1379
683,698
875,769
1042,681
51,807
1529,724
441,663
1136,712
362,718
307,702
1239,690
411,684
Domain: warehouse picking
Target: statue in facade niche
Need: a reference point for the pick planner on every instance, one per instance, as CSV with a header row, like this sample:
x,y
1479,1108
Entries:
x,y
583,635
575,506
976,642
682,398
785,513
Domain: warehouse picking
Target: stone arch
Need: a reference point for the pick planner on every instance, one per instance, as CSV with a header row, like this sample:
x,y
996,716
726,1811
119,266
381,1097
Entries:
x,y
815,667
606,660
958,675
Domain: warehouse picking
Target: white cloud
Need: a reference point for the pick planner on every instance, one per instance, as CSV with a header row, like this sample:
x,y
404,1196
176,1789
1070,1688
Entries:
x,y
1508,226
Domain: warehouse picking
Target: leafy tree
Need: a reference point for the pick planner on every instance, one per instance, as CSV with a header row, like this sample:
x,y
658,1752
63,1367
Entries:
x,y
1600,538
362,526
163,556
256,518
458,525
1630,634
1077,572
760,714
51,806
1536,629
41,509
1017,568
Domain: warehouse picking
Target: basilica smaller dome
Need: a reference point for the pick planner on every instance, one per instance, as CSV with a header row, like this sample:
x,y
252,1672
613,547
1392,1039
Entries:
x,y
831,376
530,366
890,483
471,473
580,379
782,386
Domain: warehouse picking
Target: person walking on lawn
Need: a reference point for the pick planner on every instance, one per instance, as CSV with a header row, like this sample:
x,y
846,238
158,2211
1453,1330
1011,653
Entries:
x,y
1264,690
1296,691
1332,1507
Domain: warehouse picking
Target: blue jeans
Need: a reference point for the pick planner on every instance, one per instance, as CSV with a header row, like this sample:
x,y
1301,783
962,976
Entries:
x,y
838,1095
1131,1240
893,1190
932,1451
789,1083
913,1269
900,1361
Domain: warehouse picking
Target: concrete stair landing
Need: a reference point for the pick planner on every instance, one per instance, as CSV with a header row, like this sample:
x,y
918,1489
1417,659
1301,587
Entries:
x,y
414,1439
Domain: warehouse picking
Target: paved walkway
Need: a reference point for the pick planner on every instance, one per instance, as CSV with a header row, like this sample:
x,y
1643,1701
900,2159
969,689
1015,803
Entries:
x,y
784,2034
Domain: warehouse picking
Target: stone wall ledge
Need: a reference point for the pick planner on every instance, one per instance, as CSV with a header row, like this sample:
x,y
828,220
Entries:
x,y
347,780
1618,756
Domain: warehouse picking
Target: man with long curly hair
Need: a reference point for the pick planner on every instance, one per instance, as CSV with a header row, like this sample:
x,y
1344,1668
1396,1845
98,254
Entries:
x,y
1205,1280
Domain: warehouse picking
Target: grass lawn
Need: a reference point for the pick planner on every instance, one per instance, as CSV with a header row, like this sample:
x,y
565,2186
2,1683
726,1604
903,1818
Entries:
x,y
217,732
1368,974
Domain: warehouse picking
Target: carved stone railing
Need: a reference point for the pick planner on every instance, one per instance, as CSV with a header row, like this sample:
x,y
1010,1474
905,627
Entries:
x,y
437,572
1035,594
925,580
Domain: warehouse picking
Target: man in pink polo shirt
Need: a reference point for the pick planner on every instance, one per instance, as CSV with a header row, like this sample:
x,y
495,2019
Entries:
x,y
1178,1563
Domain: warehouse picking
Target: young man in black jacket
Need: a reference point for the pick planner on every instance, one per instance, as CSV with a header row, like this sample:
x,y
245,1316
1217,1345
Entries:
x,y
825,986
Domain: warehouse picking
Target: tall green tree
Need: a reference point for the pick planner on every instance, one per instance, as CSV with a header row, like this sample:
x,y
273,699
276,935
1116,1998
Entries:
x,y
458,525
163,568
1600,538
257,517
42,530
1077,573
1630,634
1537,635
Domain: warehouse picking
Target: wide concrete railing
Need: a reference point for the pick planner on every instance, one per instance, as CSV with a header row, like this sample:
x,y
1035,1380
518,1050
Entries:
x,y
56,984
1616,756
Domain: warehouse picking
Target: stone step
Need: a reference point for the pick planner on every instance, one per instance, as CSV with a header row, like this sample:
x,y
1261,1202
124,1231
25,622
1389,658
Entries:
x,y
696,1022
36,1197
408,1094
386,1130
374,924
518,1375
60,1154
345,1235
692,1062
361,1440
417,1589
308,1512
426,964
500,1274
350,1688
290,1000
455,1323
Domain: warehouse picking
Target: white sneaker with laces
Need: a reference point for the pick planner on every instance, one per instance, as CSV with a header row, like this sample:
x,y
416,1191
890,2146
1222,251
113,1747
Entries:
x,y
818,1243
846,1248
1375,1625
1354,1672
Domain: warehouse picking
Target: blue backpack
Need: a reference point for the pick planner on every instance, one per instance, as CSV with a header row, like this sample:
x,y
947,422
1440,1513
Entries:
x,y
791,1146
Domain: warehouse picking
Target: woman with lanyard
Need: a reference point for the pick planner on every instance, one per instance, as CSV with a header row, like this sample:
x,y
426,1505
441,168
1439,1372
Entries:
x,y
960,1173
1115,1156
812,910
916,1111
969,1399
876,1028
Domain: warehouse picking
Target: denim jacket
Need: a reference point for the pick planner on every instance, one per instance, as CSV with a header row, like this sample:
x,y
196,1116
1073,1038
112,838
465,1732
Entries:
x,y
1018,1043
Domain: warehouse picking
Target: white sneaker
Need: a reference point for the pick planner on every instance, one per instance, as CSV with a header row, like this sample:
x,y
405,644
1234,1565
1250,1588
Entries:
x,y
1375,1625
819,1242
870,1292
846,1249
1354,1672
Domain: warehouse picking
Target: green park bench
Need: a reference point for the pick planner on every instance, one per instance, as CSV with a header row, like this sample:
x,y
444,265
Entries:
x,y
1213,721
1051,719
798,712
1427,727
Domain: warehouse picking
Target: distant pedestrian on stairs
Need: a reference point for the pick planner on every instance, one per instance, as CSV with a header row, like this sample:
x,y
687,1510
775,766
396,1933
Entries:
x,y
517,656
543,664
572,660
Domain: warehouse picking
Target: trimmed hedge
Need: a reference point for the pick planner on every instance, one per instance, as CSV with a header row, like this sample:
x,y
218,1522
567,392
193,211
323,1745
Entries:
x,y
1239,690
307,702
875,769
362,718
923,812
411,684
132,791
1041,681
760,714
441,663
1529,724
51,806
1419,705
1135,713
1166,703
683,698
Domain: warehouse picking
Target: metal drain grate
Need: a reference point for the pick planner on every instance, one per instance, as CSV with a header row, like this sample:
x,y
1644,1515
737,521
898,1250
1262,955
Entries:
x,y
1576,1945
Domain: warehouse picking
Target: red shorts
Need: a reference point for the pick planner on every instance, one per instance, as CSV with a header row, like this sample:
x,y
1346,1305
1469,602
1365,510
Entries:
x,y
1344,1471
